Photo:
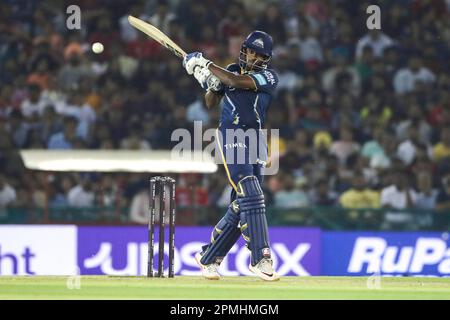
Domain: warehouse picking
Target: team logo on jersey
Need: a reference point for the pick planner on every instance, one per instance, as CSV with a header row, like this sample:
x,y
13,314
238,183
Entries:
x,y
236,119
259,43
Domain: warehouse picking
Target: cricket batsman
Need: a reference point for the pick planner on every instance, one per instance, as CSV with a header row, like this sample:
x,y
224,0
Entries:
x,y
245,90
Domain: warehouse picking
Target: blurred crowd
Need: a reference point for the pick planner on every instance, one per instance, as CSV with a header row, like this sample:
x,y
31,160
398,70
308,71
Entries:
x,y
364,115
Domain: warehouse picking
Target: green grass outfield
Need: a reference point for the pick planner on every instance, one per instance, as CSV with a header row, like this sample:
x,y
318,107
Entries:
x,y
252,288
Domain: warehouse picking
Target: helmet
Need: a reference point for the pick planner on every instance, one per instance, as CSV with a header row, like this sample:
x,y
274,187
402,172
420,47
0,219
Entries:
x,y
262,44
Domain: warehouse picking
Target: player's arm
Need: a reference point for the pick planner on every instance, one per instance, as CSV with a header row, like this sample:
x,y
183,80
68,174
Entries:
x,y
192,61
230,79
212,99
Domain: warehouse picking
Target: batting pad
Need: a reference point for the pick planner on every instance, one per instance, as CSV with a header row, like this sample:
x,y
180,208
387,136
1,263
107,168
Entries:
x,y
223,237
254,226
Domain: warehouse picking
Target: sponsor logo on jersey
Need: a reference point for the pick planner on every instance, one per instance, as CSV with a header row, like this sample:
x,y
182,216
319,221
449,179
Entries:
x,y
235,145
269,76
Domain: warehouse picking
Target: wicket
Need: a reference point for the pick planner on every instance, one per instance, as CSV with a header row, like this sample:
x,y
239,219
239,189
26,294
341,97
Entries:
x,y
161,201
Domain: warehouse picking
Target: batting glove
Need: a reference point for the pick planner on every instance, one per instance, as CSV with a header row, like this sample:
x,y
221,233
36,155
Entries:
x,y
192,60
207,80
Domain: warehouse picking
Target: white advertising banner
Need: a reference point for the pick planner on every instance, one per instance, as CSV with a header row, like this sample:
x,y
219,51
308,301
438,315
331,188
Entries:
x,y
38,250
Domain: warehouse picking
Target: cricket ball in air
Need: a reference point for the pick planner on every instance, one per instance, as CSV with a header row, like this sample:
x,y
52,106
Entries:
x,y
97,47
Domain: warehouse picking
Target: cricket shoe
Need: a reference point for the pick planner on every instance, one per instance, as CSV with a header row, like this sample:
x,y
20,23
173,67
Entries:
x,y
264,269
209,271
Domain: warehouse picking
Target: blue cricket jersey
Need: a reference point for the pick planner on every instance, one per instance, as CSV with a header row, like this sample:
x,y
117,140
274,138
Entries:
x,y
244,108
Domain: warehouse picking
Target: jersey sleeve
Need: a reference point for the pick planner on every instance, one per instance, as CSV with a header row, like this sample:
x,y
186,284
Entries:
x,y
265,80
232,68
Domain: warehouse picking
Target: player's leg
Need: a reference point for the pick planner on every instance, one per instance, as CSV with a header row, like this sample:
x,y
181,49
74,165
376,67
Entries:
x,y
226,232
254,226
223,237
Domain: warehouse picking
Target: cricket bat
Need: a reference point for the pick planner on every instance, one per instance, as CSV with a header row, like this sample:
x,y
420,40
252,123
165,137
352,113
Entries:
x,y
156,35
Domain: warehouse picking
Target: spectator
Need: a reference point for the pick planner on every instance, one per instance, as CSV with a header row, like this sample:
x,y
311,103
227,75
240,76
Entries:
x,y
18,129
143,47
313,114
50,123
135,141
41,77
364,64
359,164
375,112
272,22
232,24
77,108
397,22
390,62
415,118
400,196
7,195
53,94
300,149
322,196
101,136
441,151
288,79
208,44
57,197
197,111
291,195
345,146
375,39
360,196
67,138
71,73
340,39
384,159
344,113
34,105
5,100
442,218
373,147
162,17
297,16
309,47
408,149
138,212
104,32
341,77
439,114
127,31
82,195
426,199
34,140
406,79
192,198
